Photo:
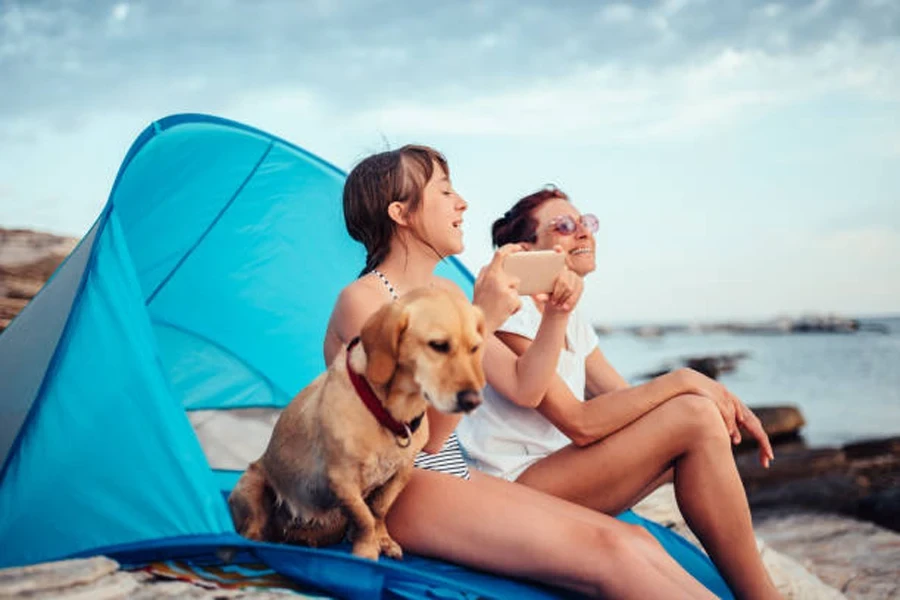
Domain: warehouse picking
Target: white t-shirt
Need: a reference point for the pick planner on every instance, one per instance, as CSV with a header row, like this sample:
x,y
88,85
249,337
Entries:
x,y
504,439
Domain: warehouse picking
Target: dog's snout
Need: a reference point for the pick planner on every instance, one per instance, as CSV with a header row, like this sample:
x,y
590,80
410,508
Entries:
x,y
467,400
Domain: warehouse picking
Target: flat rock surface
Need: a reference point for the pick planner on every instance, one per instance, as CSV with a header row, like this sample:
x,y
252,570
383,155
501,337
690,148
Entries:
x,y
858,558
99,578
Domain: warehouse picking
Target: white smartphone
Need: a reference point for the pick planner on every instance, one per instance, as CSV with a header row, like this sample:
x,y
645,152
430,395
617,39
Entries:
x,y
536,270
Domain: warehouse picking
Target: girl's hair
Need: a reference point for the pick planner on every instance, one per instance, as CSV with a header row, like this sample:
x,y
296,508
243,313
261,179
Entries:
x,y
517,225
393,176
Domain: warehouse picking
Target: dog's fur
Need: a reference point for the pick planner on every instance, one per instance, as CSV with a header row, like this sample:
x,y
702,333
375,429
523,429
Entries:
x,y
329,459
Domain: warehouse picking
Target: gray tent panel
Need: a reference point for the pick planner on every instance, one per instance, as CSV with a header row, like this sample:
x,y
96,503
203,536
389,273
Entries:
x,y
28,344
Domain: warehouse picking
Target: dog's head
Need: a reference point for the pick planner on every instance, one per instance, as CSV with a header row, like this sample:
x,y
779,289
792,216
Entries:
x,y
431,341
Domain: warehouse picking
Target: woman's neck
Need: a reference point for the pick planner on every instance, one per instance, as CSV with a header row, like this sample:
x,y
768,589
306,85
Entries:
x,y
408,266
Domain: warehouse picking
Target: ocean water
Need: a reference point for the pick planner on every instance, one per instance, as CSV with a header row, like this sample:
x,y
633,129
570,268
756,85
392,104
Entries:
x,y
846,385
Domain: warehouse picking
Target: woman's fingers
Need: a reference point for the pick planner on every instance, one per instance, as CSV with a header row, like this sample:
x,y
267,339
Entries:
x,y
567,288
754,427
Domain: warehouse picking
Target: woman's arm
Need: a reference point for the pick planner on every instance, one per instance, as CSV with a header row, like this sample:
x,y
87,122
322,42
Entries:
x,y
617,404
614,405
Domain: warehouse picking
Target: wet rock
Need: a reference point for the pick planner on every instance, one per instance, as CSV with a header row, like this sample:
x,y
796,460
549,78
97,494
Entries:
x,y
780,422
861,480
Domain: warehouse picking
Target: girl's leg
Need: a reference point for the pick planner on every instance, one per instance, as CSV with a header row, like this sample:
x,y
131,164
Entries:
x,y
686,433
650,547
509,529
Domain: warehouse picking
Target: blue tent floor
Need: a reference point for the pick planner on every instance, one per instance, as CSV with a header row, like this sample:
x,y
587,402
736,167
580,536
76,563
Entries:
x,y
335,571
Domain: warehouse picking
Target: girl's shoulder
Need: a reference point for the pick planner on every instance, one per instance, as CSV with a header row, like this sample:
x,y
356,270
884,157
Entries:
x,y
447,284
363,292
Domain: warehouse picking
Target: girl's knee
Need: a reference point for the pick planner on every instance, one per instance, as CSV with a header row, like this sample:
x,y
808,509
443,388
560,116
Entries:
x,y
618,540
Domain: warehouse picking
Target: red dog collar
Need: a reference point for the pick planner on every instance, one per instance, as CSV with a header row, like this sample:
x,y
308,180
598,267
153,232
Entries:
x,y
403,431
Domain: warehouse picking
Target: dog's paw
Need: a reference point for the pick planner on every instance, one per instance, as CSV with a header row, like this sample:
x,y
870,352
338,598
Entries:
x,y
253,533
390,548
366,549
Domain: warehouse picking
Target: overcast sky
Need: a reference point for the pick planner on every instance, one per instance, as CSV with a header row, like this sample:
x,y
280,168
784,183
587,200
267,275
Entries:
x,y
743,157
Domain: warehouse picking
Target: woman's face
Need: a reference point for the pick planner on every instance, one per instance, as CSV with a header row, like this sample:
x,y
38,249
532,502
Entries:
x,y
578,246
439,217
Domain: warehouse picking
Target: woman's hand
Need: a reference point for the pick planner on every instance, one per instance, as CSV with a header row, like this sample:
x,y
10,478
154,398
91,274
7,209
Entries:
x,y
566,292
727,403
752,424
496,292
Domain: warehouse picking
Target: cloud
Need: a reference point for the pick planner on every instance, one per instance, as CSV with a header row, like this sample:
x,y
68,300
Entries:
x,y
620,104
68,56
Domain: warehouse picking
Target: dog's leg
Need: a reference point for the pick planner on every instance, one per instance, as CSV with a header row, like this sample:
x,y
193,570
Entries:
x,y
365,542
247,503
380,502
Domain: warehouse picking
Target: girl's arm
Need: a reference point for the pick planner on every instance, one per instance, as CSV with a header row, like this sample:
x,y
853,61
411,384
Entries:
x,y
526,377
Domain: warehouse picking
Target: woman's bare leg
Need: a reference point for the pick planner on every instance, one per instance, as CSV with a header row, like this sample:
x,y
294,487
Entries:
x,y
509,529
687,434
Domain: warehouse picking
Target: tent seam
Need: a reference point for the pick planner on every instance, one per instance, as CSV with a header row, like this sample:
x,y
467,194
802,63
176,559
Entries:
x,y
211,226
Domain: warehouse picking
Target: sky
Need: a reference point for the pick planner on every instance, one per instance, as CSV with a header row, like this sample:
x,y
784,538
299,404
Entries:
x,y
743,157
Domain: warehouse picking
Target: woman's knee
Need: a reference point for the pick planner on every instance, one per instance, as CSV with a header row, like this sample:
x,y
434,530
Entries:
x,y
698,418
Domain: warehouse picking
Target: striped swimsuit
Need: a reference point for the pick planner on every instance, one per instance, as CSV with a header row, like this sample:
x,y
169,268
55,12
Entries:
x,y
450,459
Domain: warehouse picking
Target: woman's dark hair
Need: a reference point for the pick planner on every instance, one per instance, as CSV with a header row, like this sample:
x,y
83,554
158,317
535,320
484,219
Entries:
x,y
394,176
517,225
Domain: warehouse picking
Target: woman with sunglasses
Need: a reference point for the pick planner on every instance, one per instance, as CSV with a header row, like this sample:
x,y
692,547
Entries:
x,y
609,451
402,207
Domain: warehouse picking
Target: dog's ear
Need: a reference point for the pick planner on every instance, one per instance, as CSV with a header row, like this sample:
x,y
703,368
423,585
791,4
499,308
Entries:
x,y
381,339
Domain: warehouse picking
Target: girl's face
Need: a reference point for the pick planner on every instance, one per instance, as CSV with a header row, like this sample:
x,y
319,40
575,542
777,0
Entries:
x,y
440,214
579,245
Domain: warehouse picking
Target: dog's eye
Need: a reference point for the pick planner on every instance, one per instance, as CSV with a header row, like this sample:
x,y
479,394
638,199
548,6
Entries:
x,y
440,346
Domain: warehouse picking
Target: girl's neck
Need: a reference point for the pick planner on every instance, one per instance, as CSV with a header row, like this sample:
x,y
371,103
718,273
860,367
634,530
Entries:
x,y
410,266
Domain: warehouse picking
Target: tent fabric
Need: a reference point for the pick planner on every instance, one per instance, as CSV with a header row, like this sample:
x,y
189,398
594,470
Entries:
x,y
205,285
29,342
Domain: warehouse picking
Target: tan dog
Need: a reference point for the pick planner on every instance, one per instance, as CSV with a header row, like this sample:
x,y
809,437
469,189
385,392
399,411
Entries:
x,y
332,457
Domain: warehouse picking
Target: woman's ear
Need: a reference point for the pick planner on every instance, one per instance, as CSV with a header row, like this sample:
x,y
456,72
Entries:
x,y
397,212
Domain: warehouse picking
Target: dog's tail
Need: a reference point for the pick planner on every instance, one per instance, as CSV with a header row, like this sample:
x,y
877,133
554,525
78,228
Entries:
x,y
251,502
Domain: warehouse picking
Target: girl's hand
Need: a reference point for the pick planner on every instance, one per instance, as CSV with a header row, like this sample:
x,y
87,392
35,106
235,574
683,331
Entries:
x,y
496,292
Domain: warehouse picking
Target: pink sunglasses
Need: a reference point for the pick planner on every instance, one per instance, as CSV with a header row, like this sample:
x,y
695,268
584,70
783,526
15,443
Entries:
x,y
566,225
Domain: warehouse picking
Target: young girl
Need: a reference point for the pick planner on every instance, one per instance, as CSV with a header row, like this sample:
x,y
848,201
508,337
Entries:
x,y
608,452
402,207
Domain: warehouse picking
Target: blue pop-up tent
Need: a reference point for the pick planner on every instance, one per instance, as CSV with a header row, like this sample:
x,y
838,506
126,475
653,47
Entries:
x,y
205,284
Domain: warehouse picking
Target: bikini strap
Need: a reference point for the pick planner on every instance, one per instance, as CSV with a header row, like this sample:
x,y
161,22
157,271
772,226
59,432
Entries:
x,y
387,284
